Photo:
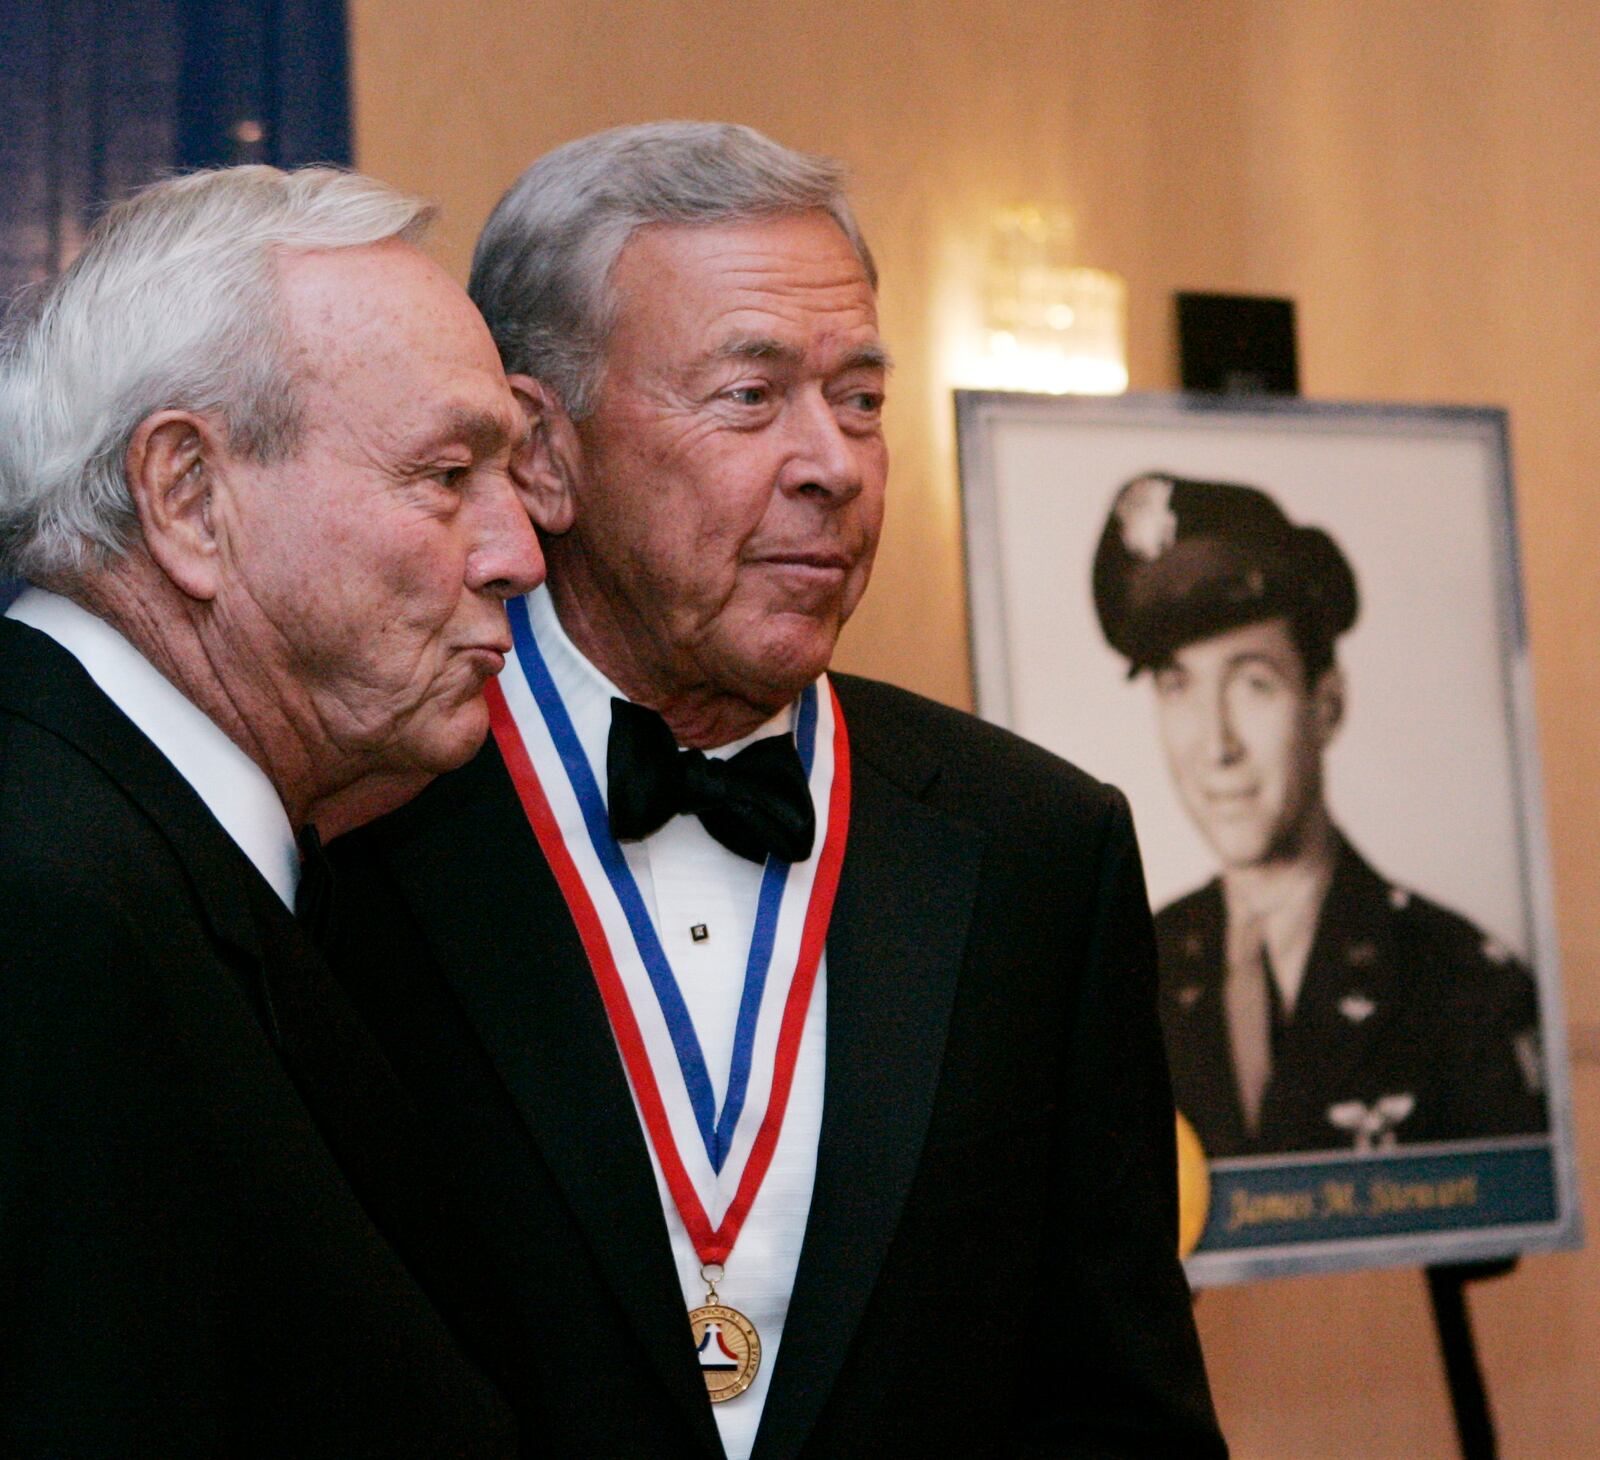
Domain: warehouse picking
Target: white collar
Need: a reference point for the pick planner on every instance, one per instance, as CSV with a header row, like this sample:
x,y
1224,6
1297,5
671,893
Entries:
x,y
234,788
587,693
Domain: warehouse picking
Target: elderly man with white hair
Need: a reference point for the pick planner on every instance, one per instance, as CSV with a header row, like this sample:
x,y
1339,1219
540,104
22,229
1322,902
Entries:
x,y
254,456
797,1036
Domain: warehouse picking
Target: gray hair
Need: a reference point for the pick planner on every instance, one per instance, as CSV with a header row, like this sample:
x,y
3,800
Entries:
x,y
541,273
172,304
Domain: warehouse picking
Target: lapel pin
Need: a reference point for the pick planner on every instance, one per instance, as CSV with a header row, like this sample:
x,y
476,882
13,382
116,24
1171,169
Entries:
x,y
1371,1127
1392,1109
1356,1007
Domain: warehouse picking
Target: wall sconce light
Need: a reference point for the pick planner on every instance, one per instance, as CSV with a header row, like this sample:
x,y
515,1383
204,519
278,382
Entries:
x,y
1048,325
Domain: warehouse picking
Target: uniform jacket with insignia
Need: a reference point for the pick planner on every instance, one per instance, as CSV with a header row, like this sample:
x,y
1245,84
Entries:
x,y
1405,1006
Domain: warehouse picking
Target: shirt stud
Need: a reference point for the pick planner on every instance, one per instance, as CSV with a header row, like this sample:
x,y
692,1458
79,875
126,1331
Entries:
x,y
1357,1008
699,932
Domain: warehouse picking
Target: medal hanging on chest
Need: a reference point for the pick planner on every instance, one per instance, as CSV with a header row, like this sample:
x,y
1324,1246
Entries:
x,y
725,1342
713,1159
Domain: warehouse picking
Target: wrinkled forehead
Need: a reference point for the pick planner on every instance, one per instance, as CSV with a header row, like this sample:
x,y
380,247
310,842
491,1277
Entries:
x,y
798,232
384,330
848,350
733,275
389,298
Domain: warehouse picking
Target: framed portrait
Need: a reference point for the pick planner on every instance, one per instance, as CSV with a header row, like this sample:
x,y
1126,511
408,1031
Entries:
x,y
1293,634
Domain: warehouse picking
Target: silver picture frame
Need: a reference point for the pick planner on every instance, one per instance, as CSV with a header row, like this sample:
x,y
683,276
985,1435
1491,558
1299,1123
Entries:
x,y
1435,774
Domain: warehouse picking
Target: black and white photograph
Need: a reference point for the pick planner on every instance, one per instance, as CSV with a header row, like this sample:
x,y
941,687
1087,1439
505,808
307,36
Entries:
x,y
1292,634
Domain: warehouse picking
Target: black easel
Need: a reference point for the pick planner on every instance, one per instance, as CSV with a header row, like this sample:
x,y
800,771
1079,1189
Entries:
x,y
1243,345
1469,1399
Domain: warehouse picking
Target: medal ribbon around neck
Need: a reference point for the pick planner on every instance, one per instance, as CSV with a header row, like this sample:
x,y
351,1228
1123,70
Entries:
x,y
525,699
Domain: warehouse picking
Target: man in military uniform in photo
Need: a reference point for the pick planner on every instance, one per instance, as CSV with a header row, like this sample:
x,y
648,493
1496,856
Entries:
x,y
1307,1002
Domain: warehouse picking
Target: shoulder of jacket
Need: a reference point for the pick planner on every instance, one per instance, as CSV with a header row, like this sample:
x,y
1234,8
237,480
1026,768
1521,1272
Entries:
x,y
892,727
1196,909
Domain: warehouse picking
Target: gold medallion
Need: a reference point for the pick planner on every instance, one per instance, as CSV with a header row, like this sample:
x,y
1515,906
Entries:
x,y
727,1348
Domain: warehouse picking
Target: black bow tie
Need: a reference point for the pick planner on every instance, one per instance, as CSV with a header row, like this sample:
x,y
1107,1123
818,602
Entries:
x,y
754,802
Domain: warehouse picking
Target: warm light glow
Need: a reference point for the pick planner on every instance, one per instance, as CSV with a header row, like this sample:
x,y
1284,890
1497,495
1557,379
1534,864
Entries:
x,y
1047,324
1008,365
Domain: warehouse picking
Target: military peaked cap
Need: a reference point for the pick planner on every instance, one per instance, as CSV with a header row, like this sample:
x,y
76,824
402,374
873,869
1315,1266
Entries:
x,y
1180,560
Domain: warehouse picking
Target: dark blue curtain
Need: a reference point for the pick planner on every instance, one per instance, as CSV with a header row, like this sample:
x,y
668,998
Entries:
x,y
100,96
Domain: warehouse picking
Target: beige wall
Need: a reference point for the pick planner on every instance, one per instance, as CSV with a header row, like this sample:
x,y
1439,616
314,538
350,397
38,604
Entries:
x,y
1423,178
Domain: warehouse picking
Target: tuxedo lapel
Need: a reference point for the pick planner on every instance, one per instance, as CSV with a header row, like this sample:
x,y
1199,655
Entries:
x,y
46,685
350,1092
894,952
523,980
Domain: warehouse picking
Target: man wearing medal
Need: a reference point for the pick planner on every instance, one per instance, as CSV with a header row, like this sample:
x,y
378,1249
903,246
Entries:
x,y
796,1035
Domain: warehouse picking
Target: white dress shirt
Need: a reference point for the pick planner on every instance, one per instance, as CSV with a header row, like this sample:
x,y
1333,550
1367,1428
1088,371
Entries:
x,y
234,788
688,880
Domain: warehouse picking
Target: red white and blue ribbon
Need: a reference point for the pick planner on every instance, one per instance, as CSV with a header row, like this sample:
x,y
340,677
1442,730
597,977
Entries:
x,y
713,1157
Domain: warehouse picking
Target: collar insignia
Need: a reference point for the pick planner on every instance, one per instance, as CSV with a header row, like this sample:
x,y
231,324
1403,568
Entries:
x,y
1357,1008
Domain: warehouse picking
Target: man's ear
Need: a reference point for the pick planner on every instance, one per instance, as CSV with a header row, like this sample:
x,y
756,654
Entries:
x,y
544,469
171,471
1327,703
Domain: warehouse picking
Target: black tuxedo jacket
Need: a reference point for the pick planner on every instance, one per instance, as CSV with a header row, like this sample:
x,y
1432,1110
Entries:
x,y
184,1269
989,1266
